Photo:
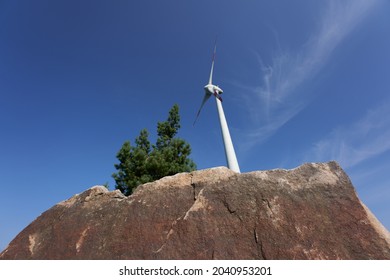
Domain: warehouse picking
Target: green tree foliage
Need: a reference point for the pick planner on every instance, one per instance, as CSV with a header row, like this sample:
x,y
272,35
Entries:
x,y
144,163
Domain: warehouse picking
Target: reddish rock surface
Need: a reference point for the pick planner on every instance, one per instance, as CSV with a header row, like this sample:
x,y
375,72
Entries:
x,y
310,212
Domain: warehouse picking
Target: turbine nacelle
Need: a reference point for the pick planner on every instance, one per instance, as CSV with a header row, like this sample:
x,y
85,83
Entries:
x,y
212,89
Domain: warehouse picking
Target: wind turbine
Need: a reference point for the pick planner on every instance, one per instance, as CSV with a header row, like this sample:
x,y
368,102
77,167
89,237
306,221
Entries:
x,y
216,91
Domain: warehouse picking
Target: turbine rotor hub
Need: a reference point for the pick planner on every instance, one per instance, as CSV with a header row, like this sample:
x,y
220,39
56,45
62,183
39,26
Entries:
x,y
212,89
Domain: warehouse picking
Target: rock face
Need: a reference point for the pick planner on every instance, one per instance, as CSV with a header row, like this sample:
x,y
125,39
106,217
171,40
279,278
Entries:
x,y
310,212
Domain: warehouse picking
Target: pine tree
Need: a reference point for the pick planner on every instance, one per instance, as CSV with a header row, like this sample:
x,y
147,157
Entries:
x,y
172,153
141,164
123,177
168,129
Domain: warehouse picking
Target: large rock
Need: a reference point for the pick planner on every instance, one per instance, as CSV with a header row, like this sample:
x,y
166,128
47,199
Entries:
x,y
311,212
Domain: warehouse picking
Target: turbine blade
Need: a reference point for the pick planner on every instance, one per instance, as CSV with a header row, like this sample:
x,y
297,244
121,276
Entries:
x,y
212,64
205,98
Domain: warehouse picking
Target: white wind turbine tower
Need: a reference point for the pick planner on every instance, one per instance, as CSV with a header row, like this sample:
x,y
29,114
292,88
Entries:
x,y
210,90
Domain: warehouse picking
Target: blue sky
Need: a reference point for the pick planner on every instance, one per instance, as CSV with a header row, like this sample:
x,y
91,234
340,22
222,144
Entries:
x,y
303,81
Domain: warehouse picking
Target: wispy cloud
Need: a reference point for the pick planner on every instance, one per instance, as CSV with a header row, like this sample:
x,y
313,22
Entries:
x,y
361,141
277,99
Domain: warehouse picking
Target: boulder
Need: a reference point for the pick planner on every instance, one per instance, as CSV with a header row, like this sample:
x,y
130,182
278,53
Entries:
x,y
310,212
